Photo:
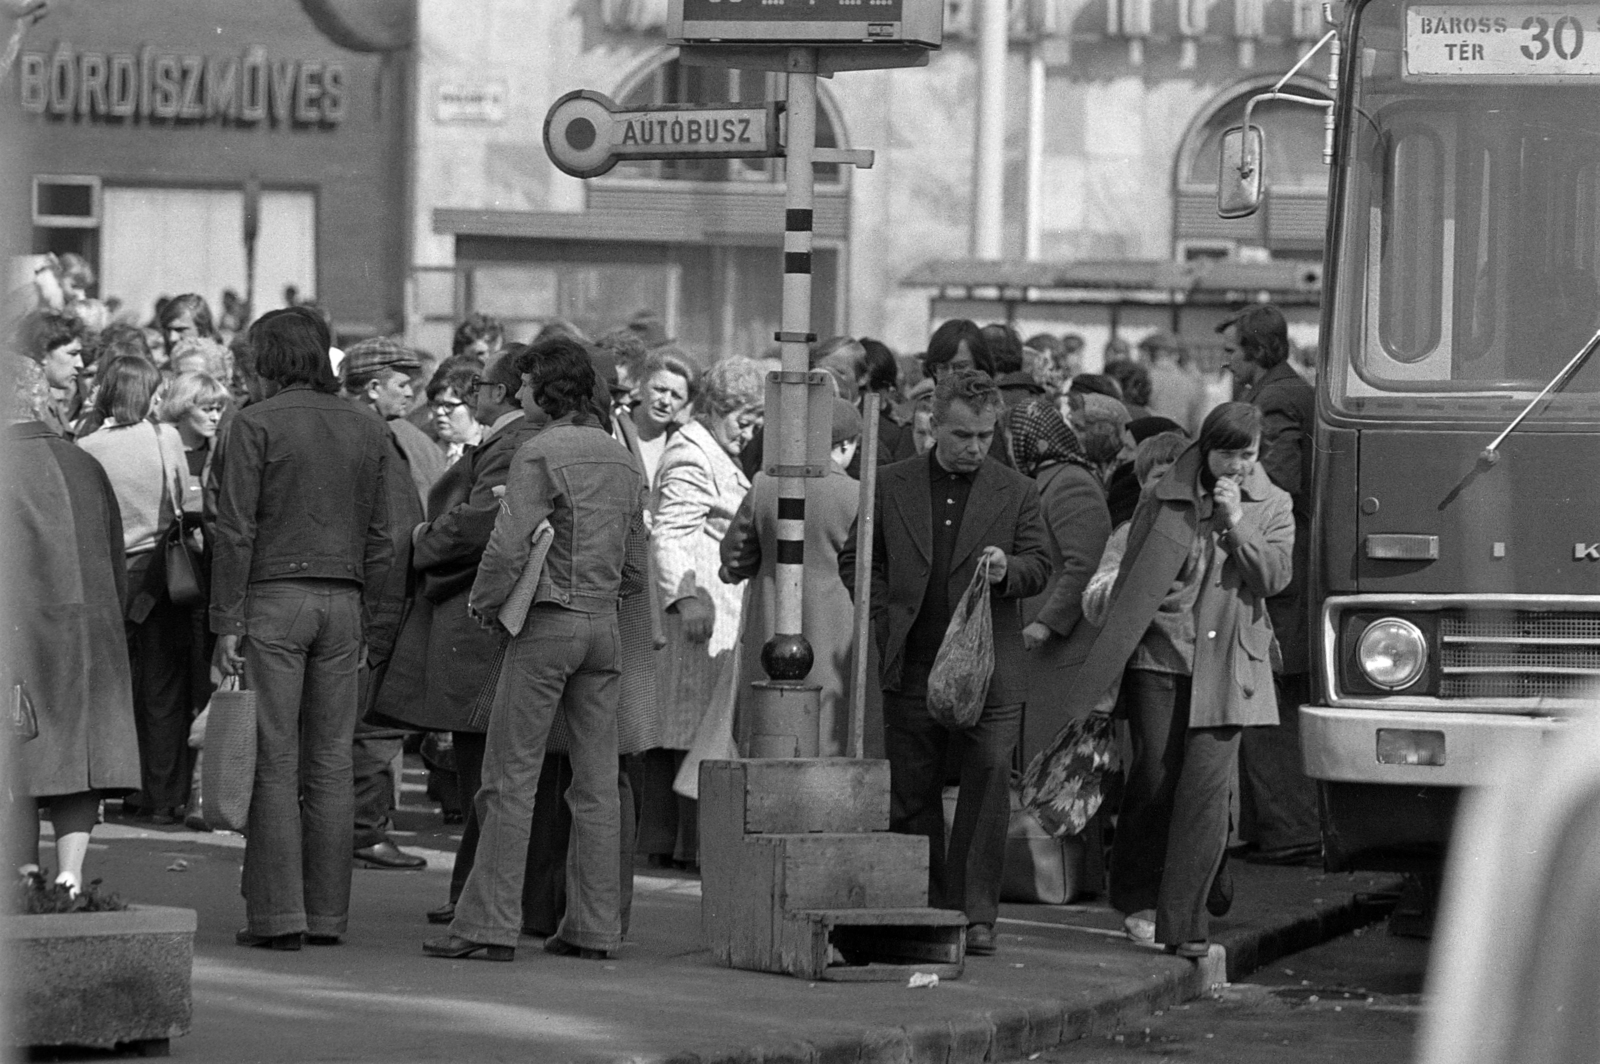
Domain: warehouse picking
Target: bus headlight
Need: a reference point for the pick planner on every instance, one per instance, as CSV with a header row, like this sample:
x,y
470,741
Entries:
x,y
1392,653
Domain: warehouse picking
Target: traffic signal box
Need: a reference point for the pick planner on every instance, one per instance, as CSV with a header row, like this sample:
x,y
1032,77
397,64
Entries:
x,y
801,875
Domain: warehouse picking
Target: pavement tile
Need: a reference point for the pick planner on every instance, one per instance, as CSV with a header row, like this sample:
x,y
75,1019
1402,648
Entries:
x,y
1062,972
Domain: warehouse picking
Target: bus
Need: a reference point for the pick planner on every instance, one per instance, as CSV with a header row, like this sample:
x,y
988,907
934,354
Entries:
x,y
1455,558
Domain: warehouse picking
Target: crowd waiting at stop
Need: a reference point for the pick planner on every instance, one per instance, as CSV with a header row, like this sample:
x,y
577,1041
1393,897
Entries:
x,y
551,564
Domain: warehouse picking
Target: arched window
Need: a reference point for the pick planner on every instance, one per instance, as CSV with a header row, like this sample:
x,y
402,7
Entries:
x,y
673,82
1292,222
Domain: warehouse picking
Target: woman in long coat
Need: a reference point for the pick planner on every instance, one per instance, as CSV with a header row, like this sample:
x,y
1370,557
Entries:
x,y
66,660
1188,618
750,552
1073,506
698,489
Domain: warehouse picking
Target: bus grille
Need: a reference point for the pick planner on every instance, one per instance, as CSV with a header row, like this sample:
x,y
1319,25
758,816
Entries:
x,y
1518,654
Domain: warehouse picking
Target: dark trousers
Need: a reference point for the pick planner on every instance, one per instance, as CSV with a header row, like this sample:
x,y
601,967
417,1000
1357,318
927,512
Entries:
x,y
544,885
965,873
302,658
373,751
1172,830
161,649
668,823
1280,800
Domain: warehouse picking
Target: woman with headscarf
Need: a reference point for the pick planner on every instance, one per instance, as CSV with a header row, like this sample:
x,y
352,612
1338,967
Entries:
x,y
1073,507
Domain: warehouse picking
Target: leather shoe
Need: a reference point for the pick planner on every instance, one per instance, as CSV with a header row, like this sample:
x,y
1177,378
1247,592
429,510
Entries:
x,y
980,940
387,855
443,914
1309,854
323,940
562,948
456,947
289,942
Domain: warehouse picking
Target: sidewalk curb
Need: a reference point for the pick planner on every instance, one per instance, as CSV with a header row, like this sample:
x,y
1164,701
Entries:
x,y
1011,1034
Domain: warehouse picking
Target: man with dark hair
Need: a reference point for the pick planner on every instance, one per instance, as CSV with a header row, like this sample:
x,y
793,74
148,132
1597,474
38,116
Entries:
x,y
478,335
1005,347
590,491
938,518
955,345
1277,794
55,342
300,539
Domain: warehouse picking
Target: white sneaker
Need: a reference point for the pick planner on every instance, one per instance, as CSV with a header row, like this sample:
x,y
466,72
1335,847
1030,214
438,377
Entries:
x,y
1141,928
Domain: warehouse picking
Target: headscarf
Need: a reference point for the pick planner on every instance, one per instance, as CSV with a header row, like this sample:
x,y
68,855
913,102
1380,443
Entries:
x,y
1039,438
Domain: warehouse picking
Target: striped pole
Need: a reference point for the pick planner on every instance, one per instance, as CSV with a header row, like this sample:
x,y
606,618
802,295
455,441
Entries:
x,y
787,656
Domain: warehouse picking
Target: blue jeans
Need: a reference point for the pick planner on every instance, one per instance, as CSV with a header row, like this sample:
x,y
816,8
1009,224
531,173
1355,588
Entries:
x,y
562,657
301,658
965,874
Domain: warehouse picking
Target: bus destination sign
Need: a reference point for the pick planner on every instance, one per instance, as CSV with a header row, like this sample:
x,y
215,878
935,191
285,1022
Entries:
x,y
819,22
1499,42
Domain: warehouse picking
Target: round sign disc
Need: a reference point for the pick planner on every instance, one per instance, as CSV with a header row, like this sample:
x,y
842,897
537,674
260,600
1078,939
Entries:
x,y
578,132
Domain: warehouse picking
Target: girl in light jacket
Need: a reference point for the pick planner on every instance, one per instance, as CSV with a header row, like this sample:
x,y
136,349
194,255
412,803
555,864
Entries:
x,y
1206,549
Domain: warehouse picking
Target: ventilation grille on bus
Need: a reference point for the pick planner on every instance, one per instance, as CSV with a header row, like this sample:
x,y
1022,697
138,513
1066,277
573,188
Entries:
x,y
1518,654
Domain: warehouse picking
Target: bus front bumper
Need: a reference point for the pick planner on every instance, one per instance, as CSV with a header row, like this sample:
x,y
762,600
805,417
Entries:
x,y
1414,748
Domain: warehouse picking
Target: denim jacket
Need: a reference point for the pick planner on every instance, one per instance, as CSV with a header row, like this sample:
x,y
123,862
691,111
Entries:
x,y
300,496
591,490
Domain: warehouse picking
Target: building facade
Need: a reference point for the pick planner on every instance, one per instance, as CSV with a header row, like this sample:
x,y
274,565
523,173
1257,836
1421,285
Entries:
x,y
211,145
1114,112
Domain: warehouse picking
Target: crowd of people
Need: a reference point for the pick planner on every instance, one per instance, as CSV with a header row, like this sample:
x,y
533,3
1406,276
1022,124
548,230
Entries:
x,y
558,568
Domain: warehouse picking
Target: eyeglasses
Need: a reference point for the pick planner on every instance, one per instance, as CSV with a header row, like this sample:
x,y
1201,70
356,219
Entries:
x,y
447,406
478,382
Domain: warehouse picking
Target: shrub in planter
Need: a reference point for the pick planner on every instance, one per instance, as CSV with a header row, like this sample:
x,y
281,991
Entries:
x,y
88,970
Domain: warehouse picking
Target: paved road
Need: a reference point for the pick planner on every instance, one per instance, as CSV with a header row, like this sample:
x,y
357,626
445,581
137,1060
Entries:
x,y
1357,998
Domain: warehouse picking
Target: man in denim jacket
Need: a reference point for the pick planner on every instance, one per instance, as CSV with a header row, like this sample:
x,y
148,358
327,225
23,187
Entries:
x,y
300,543
590,489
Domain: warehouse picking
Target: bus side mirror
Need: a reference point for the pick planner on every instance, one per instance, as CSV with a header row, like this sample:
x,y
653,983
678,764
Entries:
x,y
1239,178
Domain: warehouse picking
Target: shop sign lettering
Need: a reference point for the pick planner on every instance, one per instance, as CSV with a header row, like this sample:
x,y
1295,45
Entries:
x,y
152,85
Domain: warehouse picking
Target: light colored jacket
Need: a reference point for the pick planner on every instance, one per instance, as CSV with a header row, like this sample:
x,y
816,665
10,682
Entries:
x,y
1234,645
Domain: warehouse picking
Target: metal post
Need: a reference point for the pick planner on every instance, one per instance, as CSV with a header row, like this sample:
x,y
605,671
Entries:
x,y
865,513
989,149
787,656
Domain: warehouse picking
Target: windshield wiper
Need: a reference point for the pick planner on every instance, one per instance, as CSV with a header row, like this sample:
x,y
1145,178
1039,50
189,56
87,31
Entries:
x,y
1491,453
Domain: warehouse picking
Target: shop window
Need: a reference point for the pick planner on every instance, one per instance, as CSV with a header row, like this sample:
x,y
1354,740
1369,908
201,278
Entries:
x,y
676,83
164,241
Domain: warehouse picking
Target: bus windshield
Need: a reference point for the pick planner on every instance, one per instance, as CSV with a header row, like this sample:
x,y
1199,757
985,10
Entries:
x,y
1468,253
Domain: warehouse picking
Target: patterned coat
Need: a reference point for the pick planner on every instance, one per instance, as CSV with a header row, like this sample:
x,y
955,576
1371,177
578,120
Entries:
x,y
698,490
65,579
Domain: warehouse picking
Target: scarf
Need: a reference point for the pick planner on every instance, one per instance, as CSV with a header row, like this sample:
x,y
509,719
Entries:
x,y
1039,438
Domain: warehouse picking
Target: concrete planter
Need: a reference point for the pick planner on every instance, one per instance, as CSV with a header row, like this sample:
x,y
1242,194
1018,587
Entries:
x,y
101,979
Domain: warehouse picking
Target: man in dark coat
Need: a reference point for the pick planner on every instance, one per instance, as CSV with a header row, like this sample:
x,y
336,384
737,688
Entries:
x,y
438,673
66,656
1278,796
938,517
377,378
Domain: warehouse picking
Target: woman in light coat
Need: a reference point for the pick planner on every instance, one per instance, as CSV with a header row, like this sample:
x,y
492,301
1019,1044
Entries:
x,y
698,489
144,461
1188,619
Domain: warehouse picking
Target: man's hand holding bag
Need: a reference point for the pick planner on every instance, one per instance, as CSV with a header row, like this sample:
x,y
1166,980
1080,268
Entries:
x,y
959,681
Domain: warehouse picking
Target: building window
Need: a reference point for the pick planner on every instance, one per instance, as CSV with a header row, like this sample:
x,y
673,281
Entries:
x,y
1293,221
673,82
